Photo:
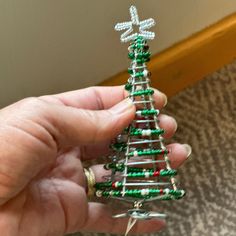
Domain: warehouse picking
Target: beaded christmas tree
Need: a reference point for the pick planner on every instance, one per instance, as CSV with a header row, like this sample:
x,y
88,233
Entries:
x,y
139,151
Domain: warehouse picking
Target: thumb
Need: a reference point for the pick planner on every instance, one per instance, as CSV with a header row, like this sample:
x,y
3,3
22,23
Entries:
x,y
79,126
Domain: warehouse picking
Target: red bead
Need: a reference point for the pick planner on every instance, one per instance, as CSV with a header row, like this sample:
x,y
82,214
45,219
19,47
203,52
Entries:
x,y
161,191
113,185
164,151
156,173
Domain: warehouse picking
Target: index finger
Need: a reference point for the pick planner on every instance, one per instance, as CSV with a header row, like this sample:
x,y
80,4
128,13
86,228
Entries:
x,y
101,97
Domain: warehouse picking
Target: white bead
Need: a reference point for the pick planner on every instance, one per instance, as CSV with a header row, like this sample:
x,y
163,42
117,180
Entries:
x,y
128,26
147,35
144,192
182,192
148,132
145,73
134,15
116,184
147,174
166,190
99,193
138,113
146,24
135,153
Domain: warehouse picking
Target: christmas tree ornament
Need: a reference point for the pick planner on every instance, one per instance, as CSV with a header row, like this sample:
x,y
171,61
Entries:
x,y
139,164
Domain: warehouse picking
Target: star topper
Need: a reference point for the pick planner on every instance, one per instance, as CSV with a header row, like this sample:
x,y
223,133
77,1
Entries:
x,y
129,25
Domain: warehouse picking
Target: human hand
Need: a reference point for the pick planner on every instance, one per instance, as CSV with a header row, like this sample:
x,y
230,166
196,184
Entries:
x,y
43,142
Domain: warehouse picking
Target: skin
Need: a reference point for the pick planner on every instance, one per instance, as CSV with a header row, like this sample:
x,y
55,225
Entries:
x,y
43,142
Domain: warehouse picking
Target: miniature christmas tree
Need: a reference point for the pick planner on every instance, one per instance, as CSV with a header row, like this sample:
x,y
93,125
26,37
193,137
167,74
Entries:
x,y
139,151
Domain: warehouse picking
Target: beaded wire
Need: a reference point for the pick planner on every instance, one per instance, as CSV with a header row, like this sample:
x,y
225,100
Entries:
x,y
140,150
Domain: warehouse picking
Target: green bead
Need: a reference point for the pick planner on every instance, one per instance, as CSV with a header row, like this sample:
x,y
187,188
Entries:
x,y
128,86
105,193
136,132
143,55
143,92
138,74
126,129
130,71
158,131
138,41
118,146
142,60
168,172
103,185
131,55
137,193
152,191
146,54
139,38
151,152
133,169
135,174
139,45
149,112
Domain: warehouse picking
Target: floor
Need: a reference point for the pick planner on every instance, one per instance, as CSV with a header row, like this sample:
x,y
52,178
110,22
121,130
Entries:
x,y
206,114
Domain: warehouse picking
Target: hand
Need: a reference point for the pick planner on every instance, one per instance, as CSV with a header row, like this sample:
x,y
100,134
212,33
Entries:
x,y
43,142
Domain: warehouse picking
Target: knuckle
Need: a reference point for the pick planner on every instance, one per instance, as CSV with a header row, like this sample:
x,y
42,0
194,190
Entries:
x,y
31,105
30,102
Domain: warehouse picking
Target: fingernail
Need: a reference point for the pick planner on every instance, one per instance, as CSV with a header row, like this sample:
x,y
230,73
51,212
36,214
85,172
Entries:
x,y
175,124
122,107
188,149
165,99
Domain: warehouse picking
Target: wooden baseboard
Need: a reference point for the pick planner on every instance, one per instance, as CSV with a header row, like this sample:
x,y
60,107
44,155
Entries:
x,y
190,60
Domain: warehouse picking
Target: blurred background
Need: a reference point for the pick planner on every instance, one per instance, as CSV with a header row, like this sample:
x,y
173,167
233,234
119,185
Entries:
x,y
58,45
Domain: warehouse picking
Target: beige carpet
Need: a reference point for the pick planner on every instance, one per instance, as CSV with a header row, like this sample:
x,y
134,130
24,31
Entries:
x,y
206,114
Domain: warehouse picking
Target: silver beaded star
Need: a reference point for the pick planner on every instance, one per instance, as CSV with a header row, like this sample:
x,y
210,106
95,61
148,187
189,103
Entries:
x,y
142,26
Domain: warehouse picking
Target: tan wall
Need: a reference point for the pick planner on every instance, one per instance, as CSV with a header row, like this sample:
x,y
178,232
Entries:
x,y
48,46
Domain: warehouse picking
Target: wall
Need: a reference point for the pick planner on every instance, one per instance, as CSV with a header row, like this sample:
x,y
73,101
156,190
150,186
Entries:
x,y
57,45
